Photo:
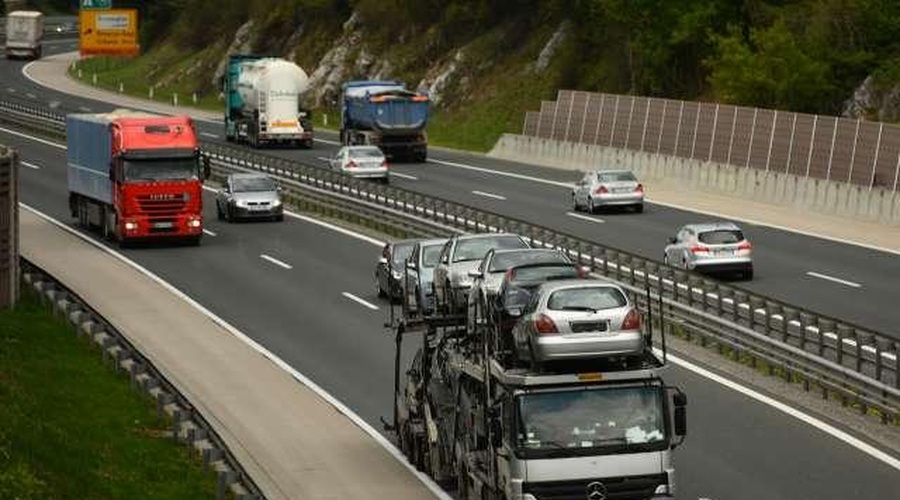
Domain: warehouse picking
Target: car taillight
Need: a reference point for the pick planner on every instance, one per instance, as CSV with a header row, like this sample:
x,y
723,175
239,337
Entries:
x,y
582,272
544,325
351,164
745,246
632,320
385,164
699,249
601,190
639,188
510,274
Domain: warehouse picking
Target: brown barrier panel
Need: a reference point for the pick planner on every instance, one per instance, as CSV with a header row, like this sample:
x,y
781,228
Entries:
x,y
804,130
652,130
545,123
607,117
637,123
561,116
669,120
723,133
577,115
624,109
740,143
762,136
9,230
531,123
863,154
781,141
886,171
825,132
591,119
842,153
703,139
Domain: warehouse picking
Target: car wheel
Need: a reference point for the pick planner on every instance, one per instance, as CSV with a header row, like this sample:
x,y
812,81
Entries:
x,y
639,208
229,213
575,206
748,274
665,258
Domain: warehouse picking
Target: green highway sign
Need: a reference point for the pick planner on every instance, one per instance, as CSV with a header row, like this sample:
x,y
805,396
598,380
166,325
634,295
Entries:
x,y
96,4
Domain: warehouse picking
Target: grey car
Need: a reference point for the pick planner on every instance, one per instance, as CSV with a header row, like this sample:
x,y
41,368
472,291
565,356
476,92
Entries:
x,y
420,274
578,319
362,162
249,196
460,255
711,247
491,270
604,188
390,270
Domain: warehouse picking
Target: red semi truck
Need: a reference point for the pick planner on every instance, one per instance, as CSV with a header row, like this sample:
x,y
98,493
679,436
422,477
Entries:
x,y
136,176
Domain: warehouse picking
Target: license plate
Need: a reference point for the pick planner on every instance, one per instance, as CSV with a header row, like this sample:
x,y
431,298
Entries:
x,y
726,252
257,208
163,225
622,190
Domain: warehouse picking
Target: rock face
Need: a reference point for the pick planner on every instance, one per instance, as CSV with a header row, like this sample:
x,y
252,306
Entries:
x,y
240,44
549,50
874,102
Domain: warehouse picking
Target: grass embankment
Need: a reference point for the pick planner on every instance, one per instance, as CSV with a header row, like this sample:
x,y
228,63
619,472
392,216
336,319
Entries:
x,y
71,428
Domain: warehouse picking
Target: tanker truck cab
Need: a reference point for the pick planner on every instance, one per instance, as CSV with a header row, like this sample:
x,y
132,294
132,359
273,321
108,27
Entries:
x,y
567,440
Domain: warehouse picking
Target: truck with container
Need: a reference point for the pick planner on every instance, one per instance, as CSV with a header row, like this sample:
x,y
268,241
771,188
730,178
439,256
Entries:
x,y
24,34
263,103
385,114
471,417
136,176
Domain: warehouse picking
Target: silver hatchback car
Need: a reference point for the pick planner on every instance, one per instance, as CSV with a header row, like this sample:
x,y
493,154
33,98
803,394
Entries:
x,y
249,196
578,319
711,247
608,188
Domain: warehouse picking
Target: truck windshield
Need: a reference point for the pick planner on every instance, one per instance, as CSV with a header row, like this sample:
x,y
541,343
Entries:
x,y
599,420
168,169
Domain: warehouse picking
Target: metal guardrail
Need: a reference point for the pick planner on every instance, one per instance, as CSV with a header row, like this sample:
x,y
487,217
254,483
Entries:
x,y
188,426
859,364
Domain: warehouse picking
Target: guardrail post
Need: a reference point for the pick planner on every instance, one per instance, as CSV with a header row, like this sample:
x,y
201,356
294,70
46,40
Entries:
x,y
825,326
740,298
842,332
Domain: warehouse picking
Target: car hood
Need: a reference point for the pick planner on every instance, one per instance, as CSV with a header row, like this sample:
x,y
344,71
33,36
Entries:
x,y
256,196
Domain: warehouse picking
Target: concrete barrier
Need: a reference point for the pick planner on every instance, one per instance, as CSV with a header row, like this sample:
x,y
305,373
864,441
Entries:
x,y
802,193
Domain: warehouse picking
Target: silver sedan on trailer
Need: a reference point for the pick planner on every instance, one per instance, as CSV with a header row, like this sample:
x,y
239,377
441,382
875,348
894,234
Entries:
x,y
604,188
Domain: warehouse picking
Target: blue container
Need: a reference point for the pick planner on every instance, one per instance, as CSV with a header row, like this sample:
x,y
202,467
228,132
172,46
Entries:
x,y
89,156
384,106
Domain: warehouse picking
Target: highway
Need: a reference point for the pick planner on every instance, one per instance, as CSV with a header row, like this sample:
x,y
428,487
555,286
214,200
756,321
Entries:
x,y
305,312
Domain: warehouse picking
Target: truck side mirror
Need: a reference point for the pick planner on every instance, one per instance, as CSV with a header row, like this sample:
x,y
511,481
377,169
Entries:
x,y
680,401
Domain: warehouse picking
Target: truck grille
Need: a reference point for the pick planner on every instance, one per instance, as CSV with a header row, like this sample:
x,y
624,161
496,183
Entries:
x,y
153,205
617,488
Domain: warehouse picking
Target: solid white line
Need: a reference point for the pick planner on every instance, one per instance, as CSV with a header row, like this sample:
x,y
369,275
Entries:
x,y
210,233
326,141
358,300
30,95
585,217
502,173
299,377
11,90
207,134
404,176
275,261
30,165
489,195
323,158
33,138
85,109
832,278
793,412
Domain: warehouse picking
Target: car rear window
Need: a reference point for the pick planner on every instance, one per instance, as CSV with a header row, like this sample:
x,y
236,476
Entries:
x,y
366,153
474,249
616,177
595,298
523,275
721,237
504,261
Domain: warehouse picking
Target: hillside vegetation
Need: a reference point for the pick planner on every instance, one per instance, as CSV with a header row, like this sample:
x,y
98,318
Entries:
x,y
487,61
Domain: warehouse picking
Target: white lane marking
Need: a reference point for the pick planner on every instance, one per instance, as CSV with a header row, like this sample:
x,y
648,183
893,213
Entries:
x,y
85,109
30,165
210,135
323,158
30,95
358,300
585,217
793,412
505,174
832,278
326,141
11,90
275,261
208,232
33,138
299,377
404,176
489,195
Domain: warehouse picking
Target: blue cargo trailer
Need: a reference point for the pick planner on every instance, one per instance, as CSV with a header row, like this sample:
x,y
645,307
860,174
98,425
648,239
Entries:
x,y
89,156
385,114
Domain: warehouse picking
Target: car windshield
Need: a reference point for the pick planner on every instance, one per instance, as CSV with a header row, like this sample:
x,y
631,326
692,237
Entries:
x,y
597,418
721,237
615,177
503,261
369,152
431,255
475,248
401,252
168,169
243,184
593,298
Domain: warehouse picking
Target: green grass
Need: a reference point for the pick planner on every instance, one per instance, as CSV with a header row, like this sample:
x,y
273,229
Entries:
x,y
70,427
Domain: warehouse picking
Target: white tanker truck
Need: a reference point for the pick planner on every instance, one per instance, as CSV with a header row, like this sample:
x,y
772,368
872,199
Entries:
x,y
262,102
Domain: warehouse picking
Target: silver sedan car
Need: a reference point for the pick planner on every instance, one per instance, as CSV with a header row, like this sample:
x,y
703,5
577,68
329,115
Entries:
x,y
711,247
460,255
605,188
249,196
363,162
578,319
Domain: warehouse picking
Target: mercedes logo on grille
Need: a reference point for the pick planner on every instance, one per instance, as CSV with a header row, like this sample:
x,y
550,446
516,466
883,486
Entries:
x,y
595,491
